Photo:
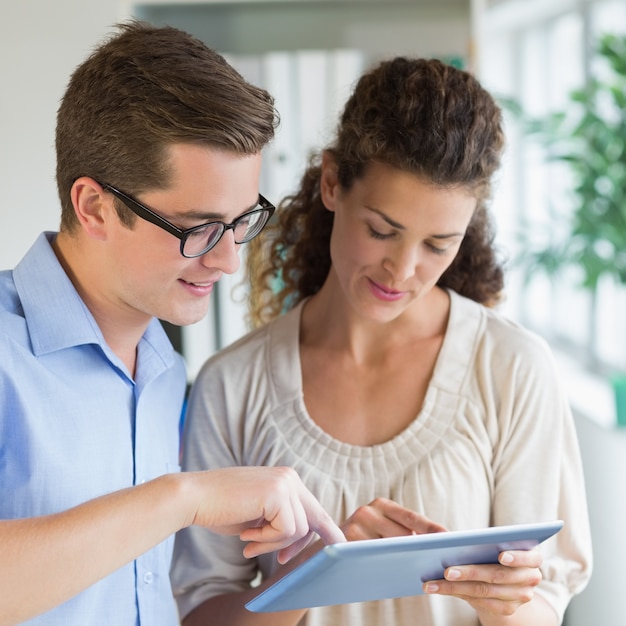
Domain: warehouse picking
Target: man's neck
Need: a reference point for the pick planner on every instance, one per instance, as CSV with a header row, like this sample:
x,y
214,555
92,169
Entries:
x,y
121,330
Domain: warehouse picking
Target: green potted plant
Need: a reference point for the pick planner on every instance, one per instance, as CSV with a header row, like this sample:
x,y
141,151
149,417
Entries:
x,y
590,138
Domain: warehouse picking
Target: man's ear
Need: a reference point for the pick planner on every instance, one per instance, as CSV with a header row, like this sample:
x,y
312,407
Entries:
x,y
329,182
91,205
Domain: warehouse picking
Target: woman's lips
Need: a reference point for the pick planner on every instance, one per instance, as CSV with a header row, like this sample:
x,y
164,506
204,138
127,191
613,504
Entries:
x,y
385,293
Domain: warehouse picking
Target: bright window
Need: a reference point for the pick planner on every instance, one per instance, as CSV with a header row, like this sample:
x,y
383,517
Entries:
x,y
537,53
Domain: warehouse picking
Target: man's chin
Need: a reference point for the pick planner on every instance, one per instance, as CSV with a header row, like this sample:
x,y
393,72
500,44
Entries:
x,y
186,318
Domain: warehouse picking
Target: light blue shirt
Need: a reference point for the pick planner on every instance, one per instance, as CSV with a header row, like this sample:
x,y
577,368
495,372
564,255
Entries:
x,y
74,425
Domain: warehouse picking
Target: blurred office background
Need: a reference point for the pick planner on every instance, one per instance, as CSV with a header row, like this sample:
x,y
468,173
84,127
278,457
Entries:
x,y
308,53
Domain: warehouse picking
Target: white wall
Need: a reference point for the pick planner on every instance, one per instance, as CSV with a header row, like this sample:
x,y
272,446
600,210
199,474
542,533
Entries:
x,y
41,41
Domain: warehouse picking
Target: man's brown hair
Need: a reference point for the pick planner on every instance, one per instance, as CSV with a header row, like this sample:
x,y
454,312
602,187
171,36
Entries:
x,y
142,90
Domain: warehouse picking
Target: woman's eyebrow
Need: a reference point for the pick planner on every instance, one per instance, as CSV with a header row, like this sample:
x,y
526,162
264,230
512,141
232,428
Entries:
x,y
386,218
399,226
448,235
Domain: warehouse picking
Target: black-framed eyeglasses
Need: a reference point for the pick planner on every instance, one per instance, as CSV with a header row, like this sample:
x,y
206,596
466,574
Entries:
x,y
198,240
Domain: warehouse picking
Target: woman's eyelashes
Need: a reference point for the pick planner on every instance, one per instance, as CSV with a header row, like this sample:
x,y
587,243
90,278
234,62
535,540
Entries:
x,y
436,249
378,235
432,247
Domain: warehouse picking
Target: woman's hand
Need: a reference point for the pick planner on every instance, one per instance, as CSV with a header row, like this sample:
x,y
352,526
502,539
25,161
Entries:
x,y
493,590
385,518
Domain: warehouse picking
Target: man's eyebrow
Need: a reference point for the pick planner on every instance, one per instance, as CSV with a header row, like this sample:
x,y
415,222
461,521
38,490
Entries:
x,y
212,216
201,216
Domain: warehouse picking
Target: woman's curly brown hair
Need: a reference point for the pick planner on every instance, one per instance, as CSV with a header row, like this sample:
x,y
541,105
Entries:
x,y
421,116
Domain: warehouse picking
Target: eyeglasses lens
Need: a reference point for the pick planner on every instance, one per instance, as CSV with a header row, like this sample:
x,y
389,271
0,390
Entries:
x,y
202,239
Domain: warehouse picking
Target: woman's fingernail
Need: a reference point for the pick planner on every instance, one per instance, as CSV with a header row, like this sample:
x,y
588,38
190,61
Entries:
x,y
506,558
453,574
431,588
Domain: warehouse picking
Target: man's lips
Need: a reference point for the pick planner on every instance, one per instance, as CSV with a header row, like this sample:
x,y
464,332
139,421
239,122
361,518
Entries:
x,y
199,288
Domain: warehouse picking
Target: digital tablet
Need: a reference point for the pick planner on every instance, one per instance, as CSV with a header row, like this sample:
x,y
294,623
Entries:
x,y
392,567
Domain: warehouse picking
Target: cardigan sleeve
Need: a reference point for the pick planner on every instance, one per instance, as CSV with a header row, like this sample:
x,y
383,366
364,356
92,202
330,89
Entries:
x,y
537,466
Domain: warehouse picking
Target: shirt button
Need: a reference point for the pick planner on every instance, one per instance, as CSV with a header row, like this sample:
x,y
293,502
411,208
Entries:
x,y
148,578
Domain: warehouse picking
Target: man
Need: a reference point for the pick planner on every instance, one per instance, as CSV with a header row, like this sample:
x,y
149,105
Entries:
x,y
158,159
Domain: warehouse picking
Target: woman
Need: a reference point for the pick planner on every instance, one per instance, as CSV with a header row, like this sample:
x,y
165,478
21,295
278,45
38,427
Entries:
x,y
385,377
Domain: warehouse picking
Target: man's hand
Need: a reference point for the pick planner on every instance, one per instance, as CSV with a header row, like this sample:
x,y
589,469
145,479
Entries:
x,y
268,507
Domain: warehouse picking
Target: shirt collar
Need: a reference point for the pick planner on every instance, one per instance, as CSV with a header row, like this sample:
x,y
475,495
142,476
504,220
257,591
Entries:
x,y
56,316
